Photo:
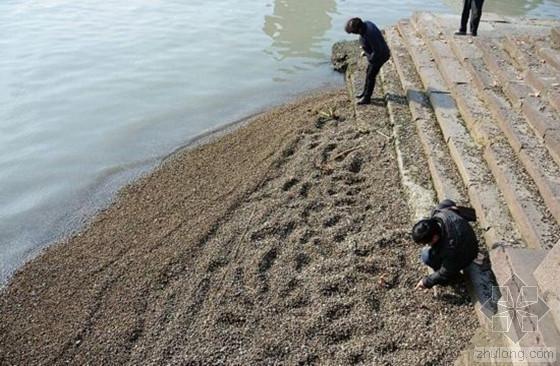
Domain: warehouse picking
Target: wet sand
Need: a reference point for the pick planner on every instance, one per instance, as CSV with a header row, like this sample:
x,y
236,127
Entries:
x,y
283,242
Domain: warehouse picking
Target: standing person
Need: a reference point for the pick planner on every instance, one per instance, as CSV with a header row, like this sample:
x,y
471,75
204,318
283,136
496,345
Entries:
x,y
374,48
474,8
452,243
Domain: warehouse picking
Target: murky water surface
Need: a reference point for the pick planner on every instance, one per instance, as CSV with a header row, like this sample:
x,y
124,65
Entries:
x,y
95,93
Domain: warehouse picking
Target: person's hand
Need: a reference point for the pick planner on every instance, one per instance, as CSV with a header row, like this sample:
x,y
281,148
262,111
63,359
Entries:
x,y
420,285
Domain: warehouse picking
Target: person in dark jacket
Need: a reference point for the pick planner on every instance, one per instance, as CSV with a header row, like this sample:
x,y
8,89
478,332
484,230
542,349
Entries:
x,y
374,48
474,9
452,243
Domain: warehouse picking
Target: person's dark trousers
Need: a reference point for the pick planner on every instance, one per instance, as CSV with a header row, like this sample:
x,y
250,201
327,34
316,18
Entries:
x,y
429,260
434,263
371,74
474,9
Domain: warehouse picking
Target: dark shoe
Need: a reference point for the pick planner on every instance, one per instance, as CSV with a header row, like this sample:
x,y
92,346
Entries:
x,y
473,34
363,101
360,95
460,33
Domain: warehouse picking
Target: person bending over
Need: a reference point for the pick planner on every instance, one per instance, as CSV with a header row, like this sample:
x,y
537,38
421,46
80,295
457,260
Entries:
x,y
451,243
374,48
474,9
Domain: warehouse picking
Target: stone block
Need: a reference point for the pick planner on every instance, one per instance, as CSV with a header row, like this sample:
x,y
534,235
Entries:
x,y
552,142
540,122
546,178
548,278
555,37
514,268
536,81
524,204
551,56
447,114
493,215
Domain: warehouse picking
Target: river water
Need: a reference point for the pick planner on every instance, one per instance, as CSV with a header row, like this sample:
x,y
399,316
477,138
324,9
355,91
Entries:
x,y
93,94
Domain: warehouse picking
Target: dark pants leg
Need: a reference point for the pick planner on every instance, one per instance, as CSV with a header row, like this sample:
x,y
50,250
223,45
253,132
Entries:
x,y
428,260
371,74
476,14
465,15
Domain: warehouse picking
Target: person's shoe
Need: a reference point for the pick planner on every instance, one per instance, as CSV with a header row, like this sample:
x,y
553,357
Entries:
x,y
358,96
473,34
460,33
363,101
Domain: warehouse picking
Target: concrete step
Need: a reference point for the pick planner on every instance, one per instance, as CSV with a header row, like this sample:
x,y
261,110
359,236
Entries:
x,y
517,46
551,56
539,116
538,113
547,275
535,224
546,83
533,52
413,165
555,37
459,78
498,26
544,80
530,323
473,111
445,177
467,155
534,156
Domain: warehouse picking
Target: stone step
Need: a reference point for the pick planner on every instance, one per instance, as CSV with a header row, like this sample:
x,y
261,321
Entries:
x,y
476,118
555,37
411,159
534,156
445,177
539,76
546,83
551,56
547,275
467,155
424,63
459,79
538,113
514,268
541,118
535,224
520,49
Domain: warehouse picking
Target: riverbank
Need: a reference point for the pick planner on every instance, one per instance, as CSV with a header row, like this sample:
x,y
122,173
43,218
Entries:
x,y
285,241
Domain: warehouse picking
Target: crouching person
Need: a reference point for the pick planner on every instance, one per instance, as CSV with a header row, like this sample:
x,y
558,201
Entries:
x,y
451,243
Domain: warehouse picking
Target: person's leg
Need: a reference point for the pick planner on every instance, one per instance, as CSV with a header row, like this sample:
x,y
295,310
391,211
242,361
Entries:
x,y
427,259
476,15
366,83
371,74
465,16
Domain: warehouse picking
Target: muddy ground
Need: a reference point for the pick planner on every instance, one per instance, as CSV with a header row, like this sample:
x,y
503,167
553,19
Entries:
x,y
283,242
